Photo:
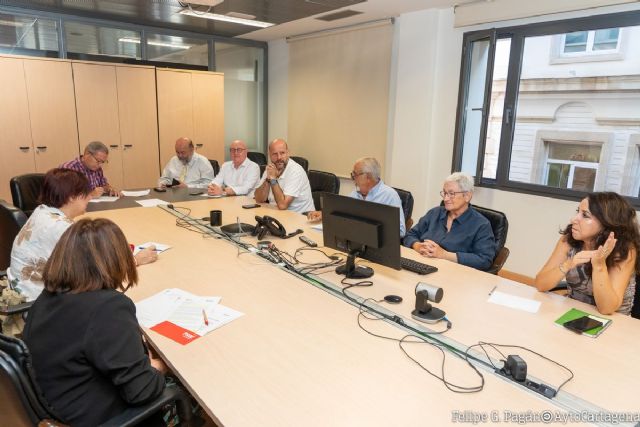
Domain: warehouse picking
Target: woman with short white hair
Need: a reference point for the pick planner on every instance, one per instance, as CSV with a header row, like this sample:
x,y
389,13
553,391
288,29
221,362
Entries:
x,y
455,231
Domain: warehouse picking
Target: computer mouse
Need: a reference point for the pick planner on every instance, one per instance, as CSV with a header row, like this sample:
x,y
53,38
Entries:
x,y
393,299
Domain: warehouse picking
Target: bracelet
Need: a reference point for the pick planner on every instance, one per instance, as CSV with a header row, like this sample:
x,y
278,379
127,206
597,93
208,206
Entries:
x,y
562,270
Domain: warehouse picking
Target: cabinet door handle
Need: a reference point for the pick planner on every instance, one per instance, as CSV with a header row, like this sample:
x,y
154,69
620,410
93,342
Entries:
x,y
42,147
24,148
128,145
199,145
113,146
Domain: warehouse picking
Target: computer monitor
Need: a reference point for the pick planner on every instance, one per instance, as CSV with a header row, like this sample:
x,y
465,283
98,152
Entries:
x,y
362,229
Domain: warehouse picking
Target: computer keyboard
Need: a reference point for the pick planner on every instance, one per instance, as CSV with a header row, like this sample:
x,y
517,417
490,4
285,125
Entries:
x,y
416,266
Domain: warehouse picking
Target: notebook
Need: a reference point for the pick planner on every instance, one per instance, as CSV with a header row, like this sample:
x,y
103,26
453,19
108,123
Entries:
x,y
574,313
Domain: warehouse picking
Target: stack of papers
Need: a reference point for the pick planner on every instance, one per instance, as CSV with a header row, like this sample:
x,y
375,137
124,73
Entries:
x,y
150,203
137,193
104,199
160,247
182,316
513,301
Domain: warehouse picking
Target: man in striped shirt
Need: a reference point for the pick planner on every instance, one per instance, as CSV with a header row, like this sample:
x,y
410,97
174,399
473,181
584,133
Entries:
x,y
90,164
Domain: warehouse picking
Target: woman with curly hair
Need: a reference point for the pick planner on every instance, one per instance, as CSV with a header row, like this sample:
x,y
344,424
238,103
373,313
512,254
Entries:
x,y
597,254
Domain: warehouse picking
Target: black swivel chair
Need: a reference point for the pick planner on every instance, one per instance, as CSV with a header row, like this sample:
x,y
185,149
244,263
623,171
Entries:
x,y
407,206
635,310
302,162
215,166
262,168
257,157
322,183
25,191
500,227
11,221
23,404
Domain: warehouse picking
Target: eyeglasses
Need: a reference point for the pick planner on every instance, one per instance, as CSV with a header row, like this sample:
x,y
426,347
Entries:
x,y
355,174
100,162
450,194
236,150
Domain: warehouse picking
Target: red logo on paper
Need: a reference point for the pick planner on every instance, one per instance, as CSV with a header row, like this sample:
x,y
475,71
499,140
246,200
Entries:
x,y
175,332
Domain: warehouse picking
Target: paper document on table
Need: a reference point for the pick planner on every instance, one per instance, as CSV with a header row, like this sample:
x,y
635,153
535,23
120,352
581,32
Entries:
x,y
104,199
513,301
160,247
138,193
191,314
149,203
317,227
217,196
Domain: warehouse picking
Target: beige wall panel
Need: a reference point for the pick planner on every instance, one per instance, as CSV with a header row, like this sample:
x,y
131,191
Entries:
x,y
52,111
138,126
175,110
208,114
97,103
16,150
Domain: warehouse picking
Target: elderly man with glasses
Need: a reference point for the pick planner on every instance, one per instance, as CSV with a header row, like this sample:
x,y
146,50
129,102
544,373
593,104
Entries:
x,y
90,164
187,168
238,176
366,176
455,231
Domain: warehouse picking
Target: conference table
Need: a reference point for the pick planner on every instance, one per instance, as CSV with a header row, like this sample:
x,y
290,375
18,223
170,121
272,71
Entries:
x,y
298,355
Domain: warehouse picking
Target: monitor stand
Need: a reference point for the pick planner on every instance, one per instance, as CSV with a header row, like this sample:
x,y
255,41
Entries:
x,y
351,271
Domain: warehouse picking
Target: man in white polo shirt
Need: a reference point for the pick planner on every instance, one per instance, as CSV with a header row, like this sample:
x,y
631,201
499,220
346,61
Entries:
x,y
284,182
238,176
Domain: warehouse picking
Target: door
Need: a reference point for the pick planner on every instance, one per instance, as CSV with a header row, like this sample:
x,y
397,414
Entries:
x,y
16,149
208,114
52,112
175,110
98,120
138,126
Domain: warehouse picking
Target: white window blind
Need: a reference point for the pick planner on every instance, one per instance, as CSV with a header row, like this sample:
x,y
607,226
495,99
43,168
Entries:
x,y
339,96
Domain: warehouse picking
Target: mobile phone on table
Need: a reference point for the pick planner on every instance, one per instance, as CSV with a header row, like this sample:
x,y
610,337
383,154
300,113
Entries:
x,y
251,206
582,324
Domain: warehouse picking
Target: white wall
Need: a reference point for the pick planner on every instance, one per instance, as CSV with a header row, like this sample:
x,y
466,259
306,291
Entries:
x,y
423,114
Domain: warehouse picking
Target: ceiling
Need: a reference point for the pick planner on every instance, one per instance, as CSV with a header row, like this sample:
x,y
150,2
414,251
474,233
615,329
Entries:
x,y
291,17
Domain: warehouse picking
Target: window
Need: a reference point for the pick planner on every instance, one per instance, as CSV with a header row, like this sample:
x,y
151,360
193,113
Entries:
x,y
591,41
25,35
86,39
531,124
572,166
179,50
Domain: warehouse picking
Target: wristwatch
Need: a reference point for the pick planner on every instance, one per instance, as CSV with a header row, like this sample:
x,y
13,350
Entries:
x,y
273,181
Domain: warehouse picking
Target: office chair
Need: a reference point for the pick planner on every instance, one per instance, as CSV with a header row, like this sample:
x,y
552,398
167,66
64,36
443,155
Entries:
x,y
322,183
25,191
635,310
23,403
11,221
257,157
407,206
302,162
500,227
262,168
215,166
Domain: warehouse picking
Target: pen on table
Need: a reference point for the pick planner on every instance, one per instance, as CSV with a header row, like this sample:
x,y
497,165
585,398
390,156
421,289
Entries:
x,y
494,288
205,318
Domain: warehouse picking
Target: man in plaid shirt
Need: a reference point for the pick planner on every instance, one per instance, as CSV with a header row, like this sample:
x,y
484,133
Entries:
x,y
90,164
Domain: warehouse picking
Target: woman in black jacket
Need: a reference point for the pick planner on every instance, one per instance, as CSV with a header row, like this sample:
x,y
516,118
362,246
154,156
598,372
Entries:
x,y
82,332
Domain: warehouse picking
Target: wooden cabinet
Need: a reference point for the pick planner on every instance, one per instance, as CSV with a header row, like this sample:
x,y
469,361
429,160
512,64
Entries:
x,y
37,117
117,106
52,108
191,104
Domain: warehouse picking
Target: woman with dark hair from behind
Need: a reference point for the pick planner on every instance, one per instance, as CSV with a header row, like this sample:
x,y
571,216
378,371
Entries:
x,y
64,196
88,355
597,254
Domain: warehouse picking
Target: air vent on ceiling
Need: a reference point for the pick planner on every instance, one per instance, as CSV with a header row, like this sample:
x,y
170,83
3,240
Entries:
x,y
338,15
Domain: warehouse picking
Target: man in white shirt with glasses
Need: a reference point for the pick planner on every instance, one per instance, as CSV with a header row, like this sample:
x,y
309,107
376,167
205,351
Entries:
x,y
238,176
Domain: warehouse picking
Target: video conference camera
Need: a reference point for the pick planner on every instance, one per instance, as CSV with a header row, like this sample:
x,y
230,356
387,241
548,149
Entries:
x,y
424,311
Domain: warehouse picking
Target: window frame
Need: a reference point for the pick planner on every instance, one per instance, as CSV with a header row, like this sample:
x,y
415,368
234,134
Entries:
x,y
518,34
